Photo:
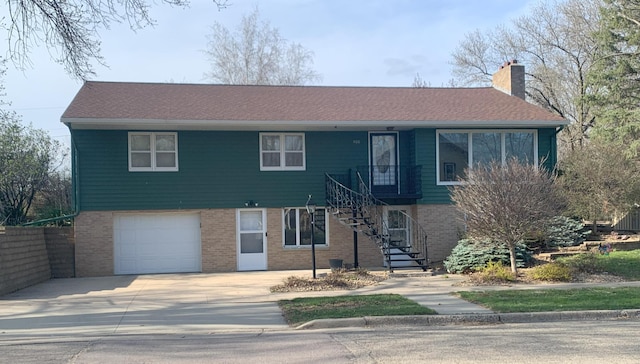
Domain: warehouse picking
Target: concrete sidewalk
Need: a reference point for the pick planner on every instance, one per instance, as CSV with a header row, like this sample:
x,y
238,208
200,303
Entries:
x,y
204,303
430,291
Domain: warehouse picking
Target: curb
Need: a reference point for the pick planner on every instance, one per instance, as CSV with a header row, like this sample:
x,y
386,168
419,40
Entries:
x,y
470,319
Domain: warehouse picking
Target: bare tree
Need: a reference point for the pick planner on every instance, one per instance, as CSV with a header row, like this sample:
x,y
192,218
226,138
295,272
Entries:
x,y
419,82
599,181
27,156
28,162
256,54
556,43
70,29
506,203
54,199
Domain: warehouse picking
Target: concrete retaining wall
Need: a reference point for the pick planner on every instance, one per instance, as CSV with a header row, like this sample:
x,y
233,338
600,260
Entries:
x,y
23,258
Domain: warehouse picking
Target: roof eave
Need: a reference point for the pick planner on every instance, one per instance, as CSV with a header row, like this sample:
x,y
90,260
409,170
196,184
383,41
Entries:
x,y
157,124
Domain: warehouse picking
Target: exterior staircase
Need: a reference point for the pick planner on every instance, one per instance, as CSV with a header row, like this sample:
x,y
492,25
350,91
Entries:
x,y
364,213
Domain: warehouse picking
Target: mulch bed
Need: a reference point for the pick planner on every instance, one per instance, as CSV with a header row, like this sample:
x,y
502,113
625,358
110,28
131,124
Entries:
x,y
338,280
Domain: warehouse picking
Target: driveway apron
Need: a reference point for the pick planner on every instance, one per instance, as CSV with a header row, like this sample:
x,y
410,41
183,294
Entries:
x,y
148,304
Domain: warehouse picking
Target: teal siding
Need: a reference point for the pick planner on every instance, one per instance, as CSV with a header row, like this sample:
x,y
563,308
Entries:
x,y
222,169
426,156
404,148
547,150
216,170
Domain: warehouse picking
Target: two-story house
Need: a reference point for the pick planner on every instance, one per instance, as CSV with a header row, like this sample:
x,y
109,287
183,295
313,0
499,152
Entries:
x,y
214,178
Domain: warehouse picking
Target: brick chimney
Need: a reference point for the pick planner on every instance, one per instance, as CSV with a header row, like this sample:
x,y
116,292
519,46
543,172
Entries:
x,y
510,79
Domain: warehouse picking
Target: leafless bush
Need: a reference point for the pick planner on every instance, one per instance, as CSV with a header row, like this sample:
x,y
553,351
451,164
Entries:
x,y
506,203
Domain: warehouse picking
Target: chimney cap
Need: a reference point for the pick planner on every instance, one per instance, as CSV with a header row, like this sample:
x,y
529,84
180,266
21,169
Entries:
x,y
509,63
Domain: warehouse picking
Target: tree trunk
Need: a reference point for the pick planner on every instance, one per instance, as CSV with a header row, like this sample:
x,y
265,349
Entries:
x,y
512,257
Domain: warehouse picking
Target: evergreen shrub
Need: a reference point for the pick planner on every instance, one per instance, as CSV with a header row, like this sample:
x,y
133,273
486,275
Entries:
x,y
471,255
564,231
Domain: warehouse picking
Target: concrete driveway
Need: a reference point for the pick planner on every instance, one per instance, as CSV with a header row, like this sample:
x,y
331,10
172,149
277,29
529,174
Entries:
x,y
186,303
148,304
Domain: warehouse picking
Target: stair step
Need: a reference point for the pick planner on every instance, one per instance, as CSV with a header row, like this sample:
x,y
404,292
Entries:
x,y
424,267
408,260
426,272
412,255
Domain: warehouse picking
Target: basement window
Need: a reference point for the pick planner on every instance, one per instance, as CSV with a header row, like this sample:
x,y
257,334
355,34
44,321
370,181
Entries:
x,y
297,227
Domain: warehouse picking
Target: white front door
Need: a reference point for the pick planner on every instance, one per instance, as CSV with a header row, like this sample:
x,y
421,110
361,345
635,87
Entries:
x,y
252,239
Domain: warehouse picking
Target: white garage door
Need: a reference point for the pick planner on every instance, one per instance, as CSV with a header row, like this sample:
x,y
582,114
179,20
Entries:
x,y
156,243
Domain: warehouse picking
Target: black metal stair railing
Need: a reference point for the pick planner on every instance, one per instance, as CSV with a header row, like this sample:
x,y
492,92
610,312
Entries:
x,y
416,251
354,209
364,213
396,182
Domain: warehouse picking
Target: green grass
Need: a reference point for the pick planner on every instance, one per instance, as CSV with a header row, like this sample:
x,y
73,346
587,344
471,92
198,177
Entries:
x,y
557,299
622,263
302,310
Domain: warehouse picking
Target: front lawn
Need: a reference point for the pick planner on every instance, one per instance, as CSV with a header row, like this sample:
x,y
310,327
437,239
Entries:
x,y
541,300
625,264
300,310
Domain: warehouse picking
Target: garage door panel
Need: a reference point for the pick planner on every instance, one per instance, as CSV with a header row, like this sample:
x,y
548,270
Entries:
x,y
164,265
157,243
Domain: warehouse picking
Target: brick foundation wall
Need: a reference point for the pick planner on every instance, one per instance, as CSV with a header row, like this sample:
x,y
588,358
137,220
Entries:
x,y
340,247
218,236
23,258
443,225
94,243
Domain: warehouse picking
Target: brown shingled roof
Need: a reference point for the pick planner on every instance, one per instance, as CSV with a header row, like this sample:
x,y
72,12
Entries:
x,y
203,102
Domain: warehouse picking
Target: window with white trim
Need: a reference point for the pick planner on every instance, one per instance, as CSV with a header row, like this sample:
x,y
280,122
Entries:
x,y
297,227
151,151
282,152
457,150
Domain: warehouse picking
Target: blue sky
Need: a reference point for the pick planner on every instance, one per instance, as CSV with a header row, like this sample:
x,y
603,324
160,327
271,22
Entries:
x,y
355,43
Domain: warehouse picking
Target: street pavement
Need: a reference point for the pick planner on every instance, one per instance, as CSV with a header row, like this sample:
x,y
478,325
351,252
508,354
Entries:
x,y
234,302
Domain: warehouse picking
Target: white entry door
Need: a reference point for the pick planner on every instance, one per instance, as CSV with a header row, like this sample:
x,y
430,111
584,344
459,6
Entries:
x,y
252,239
398,225
399,229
